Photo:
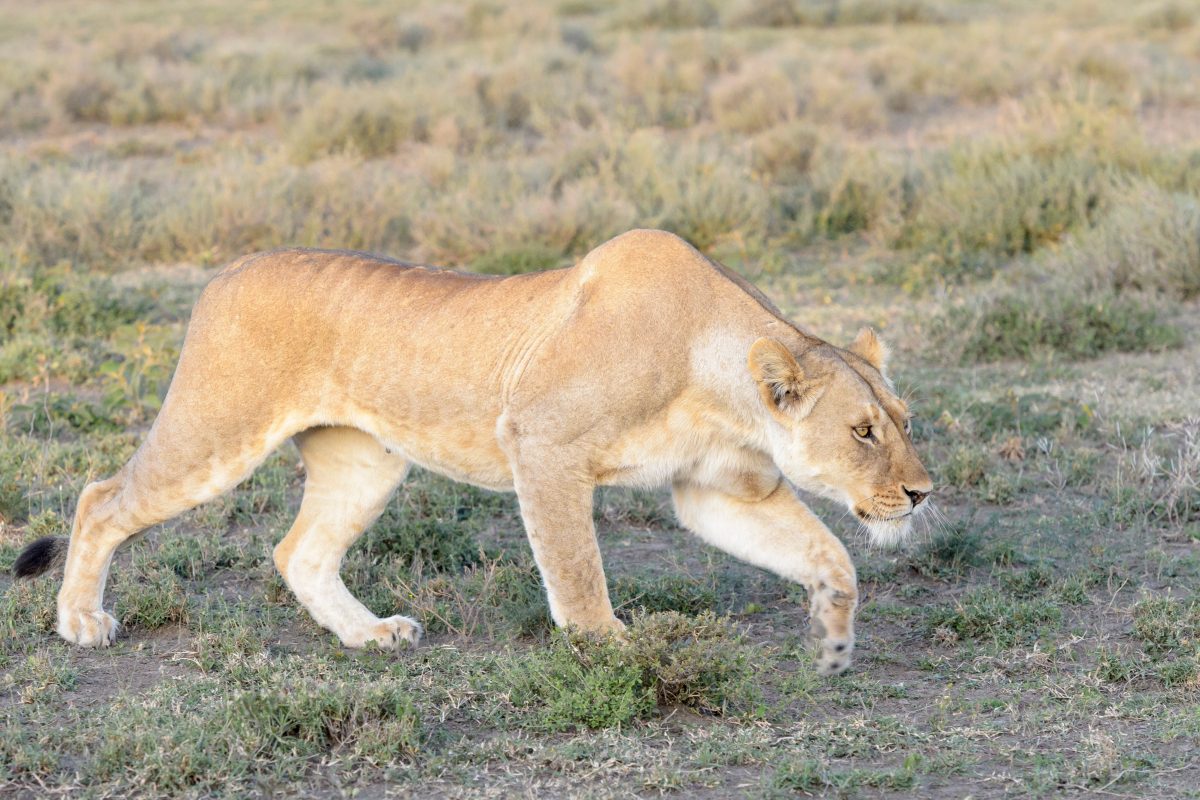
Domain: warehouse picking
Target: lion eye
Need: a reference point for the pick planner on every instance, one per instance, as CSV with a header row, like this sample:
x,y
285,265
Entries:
x,y
862,431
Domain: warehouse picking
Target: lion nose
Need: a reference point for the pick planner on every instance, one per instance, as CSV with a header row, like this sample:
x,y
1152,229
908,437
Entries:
x,y
915,495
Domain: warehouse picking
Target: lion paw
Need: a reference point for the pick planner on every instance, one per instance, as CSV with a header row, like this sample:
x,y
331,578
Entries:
x,y
388,633
834,657
87,628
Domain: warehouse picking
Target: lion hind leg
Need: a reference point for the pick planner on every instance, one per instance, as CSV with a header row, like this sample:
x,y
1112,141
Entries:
x,y
169,474
350,478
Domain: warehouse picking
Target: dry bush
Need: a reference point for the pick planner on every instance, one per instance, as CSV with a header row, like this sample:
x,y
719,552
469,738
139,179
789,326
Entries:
x,y
515,219
981,203
1149,241
1169,16
1054,319
757,97
821,187
370,122
701,192
669,14
657,86
832,13
163,81
786,153
849,100
111,217
1051,171
532,213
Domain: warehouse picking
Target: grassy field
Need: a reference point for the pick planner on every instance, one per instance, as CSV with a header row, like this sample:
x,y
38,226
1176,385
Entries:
x,y
1007,191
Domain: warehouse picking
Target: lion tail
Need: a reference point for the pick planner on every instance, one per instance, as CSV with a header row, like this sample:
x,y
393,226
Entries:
x,y
45,554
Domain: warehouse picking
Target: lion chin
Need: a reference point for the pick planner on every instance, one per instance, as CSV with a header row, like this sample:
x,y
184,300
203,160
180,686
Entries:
x,y
890,534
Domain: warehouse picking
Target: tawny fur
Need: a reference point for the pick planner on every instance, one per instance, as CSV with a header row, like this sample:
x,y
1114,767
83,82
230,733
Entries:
x,y
645,364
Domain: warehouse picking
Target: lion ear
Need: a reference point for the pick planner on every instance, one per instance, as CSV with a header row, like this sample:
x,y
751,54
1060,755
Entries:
x,y
870,348
785,388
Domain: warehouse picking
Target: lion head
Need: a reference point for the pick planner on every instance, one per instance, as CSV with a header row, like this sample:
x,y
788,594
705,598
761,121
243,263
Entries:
x,y
838,429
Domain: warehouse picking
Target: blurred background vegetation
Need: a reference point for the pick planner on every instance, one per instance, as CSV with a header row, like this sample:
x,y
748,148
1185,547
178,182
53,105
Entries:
x,y
929,144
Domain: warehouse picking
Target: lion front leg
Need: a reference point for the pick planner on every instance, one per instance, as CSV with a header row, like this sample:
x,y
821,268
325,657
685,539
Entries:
x,y
558,520
780,534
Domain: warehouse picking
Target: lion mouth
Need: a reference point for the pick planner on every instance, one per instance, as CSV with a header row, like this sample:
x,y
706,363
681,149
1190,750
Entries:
x,y
869,518
887,532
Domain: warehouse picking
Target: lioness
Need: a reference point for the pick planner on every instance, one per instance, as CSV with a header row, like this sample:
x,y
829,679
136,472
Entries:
x,y
644,364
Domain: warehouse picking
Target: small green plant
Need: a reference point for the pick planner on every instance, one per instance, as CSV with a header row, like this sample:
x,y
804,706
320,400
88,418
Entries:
x,y
810,777
240,736
42,676
193,555
54,413
150,597
668,659
950,553
1167,625
966,466
496,596
988,615
13,506
1032,582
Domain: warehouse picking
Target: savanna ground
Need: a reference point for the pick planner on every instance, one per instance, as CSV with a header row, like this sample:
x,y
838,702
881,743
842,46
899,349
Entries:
x,y
1006,191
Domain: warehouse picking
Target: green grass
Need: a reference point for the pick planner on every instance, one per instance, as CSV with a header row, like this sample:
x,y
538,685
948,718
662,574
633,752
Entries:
x,y
1018,326
991,616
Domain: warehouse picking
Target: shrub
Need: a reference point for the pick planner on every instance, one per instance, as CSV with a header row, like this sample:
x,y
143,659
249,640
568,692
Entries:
x,y
1029,414
965,466
513,261
112,216
981,204
754,99
695,190
364,122
1148,241
671,14
380,720
60,302
1024,324
788,13
669,659
515,217
822,187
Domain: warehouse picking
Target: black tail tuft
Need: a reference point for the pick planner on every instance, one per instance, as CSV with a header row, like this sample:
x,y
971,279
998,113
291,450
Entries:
x,y
44,554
